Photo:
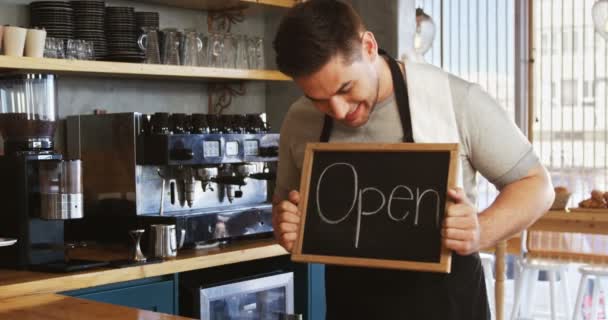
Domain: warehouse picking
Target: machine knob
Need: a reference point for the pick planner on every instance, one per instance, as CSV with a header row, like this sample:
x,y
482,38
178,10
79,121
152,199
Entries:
x,y
182,154
269,151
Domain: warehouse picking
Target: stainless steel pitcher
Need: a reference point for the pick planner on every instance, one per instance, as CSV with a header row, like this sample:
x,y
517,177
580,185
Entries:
x,y
163,240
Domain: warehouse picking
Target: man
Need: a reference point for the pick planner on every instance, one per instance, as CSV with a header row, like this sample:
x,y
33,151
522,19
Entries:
x,y
354,93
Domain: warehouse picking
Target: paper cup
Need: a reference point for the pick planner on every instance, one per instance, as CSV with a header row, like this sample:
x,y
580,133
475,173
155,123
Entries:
x,y
34,44
14,41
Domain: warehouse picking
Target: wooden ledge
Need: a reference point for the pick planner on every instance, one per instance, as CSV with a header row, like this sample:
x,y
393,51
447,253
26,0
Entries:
x,y
57,307
15,283
594,222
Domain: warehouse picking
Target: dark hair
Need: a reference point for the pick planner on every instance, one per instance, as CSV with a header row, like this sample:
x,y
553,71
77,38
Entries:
x,y
313,32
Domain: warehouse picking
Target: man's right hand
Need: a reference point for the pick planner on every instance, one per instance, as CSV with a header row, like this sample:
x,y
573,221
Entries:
x,y
286,220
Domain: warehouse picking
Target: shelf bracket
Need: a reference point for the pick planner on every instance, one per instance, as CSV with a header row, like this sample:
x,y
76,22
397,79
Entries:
x,y
222,20
220,96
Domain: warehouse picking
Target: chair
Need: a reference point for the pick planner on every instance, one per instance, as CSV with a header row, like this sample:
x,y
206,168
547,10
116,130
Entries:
x,y
594,250
539,256
487,262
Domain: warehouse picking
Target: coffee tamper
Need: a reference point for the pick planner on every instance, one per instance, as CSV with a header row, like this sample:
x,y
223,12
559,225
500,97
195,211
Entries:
x,y
136,254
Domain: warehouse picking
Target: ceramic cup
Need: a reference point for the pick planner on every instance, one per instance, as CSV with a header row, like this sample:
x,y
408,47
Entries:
x,y
34,44
14,41
1,36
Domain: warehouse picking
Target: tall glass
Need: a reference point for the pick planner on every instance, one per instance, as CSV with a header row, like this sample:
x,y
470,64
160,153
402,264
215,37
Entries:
x,y
203,55
230,51
216,50
242,57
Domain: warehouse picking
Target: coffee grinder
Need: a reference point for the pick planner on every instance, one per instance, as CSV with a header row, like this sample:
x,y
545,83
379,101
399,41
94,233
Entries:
x,y
39,190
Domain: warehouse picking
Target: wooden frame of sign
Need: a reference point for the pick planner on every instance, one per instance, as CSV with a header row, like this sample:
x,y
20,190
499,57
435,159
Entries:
x,y
444,256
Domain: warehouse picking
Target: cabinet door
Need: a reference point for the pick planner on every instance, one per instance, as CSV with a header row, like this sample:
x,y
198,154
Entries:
x,y
316,291
158,296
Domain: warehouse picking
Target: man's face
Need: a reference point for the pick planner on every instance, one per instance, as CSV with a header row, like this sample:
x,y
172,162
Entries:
x,y
345,91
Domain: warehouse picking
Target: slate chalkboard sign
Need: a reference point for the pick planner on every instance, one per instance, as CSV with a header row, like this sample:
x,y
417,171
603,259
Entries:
x,y
376,205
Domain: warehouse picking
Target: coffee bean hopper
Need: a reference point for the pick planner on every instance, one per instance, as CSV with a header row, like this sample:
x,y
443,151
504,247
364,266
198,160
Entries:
x,y
39,190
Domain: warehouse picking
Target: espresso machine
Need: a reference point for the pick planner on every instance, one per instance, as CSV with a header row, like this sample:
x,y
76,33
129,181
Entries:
x,y
208,175
39,190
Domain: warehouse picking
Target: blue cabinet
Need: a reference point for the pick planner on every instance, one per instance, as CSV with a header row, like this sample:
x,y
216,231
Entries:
x,y
157,294
316,291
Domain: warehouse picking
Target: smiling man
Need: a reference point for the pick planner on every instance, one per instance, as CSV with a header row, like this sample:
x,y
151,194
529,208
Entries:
x,y
353,92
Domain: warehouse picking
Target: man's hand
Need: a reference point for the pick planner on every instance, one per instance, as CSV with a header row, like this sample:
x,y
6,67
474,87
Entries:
x,y
286,220
461,228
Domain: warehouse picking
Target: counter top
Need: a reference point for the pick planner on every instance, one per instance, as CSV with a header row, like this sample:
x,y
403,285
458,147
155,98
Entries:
x,y
15,283
580,221
58,307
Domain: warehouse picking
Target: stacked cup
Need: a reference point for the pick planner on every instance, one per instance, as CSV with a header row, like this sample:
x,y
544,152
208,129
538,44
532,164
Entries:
x,y
17,40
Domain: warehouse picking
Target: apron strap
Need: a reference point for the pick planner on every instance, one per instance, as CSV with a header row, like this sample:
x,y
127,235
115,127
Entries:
x,y
328,125
401,95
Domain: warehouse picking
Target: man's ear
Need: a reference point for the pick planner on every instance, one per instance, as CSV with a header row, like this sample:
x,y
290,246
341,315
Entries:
x,y
369,46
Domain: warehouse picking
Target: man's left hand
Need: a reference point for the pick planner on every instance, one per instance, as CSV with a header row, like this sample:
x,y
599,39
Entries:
x,y
461,227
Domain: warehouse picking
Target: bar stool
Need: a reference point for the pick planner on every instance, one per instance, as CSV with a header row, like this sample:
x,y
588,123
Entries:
x,y
526,285
538,247
595,274
487,262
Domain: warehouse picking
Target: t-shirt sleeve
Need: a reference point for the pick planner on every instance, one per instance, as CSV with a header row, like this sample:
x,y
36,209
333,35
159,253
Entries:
x,y
497,148
288,175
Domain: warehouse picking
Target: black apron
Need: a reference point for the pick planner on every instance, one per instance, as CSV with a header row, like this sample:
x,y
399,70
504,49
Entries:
x,y
365,293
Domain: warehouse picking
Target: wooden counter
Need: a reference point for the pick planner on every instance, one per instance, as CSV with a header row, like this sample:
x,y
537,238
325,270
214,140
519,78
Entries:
x,y
15,283
58,307
587,221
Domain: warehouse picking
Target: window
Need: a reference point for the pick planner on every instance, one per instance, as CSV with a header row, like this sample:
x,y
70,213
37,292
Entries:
x,y
569,92
478,45
570,132
589,92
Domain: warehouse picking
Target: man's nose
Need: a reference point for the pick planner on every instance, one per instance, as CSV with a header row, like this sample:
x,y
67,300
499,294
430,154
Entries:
x,y
338,107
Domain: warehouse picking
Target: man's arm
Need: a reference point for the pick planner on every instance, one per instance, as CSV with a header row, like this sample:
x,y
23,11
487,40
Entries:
x,y
500,152
518,205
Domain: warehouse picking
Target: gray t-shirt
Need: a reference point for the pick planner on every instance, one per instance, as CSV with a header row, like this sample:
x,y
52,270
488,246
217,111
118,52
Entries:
x,y
489,141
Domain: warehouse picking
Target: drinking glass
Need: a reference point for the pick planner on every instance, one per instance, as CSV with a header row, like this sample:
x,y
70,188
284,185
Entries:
x,y
81,49
50,48
171,44
230,51
90,50
215,50
203,55
191,47
259,52
71,49
242,58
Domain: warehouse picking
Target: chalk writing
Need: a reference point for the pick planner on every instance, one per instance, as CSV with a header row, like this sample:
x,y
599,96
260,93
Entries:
x,y
358,196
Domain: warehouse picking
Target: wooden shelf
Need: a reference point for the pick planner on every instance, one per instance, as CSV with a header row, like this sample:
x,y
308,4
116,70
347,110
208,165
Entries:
x,y
15,283
220,4
134,70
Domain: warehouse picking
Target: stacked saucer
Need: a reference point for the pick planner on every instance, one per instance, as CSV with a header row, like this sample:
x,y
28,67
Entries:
x,y
53,16
89,19
121,33
148,20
